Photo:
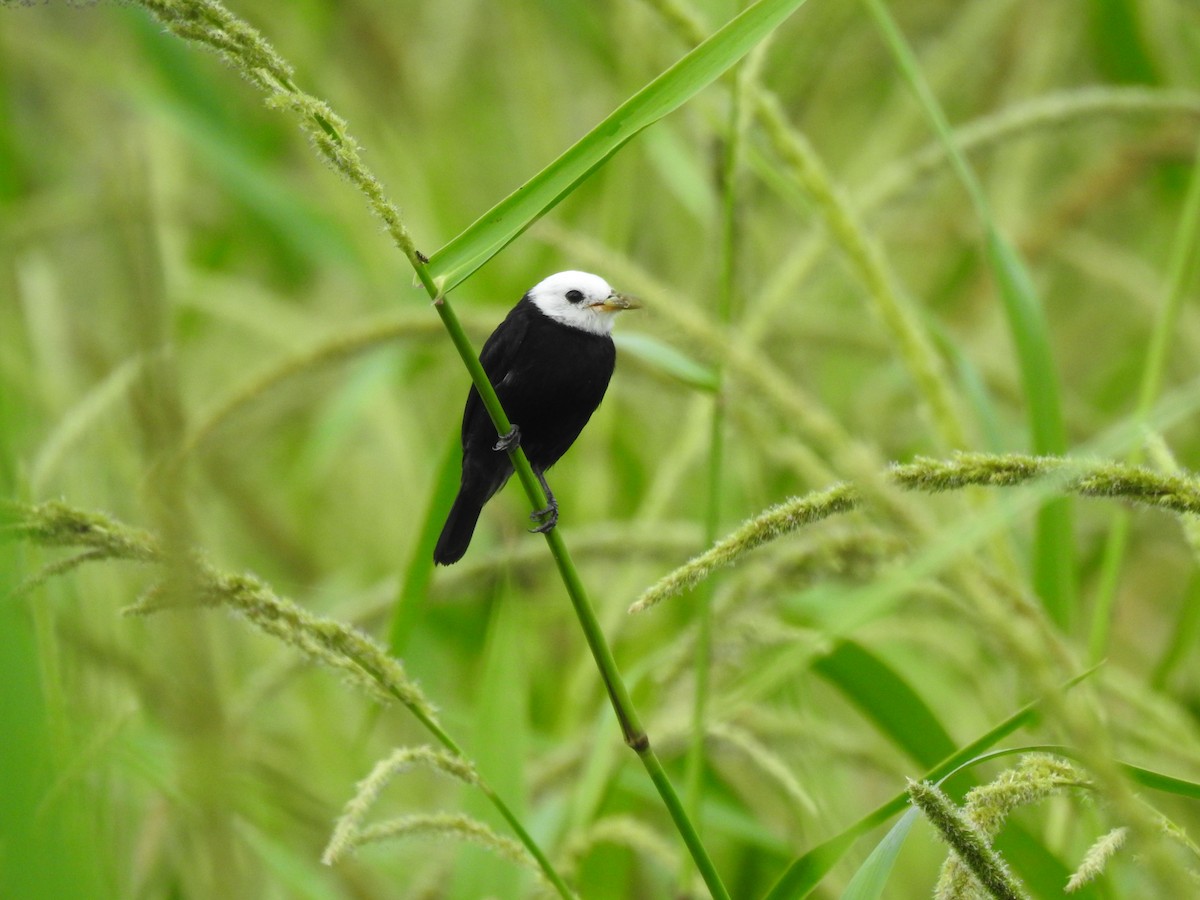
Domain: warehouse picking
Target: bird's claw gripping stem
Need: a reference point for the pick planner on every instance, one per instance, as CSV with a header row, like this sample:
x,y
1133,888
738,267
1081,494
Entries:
x,y
510,440
549,513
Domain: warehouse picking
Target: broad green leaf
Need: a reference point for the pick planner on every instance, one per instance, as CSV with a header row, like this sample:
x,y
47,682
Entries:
x,y
806,872
893,707
1117,45
490,233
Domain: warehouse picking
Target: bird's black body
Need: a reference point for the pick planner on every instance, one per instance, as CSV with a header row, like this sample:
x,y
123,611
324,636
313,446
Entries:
x,y
550,377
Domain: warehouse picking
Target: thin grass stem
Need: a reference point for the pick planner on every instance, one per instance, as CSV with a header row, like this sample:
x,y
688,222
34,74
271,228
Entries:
x,y
1180,268
743,79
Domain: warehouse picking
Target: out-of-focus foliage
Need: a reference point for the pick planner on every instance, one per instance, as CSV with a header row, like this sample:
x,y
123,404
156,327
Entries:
x,y
204,333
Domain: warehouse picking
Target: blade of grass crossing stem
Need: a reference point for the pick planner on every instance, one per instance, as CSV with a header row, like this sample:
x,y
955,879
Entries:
x,y
491,232
1053,564
807,871
902,715
1166,784
419,570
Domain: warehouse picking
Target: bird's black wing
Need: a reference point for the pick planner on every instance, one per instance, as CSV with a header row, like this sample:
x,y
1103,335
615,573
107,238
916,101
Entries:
x,y
499,353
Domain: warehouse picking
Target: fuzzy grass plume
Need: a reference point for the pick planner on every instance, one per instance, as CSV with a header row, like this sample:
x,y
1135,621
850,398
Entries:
x,y
445,825
1087,478
349,828
769,526
323,640
1097,857
968,842
1177,493
210,25
986,808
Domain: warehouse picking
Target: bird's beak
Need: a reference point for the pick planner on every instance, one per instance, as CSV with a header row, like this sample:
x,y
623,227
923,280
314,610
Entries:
x,y
615,302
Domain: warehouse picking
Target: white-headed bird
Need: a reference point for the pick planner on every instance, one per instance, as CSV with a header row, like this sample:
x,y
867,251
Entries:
x,y
550,362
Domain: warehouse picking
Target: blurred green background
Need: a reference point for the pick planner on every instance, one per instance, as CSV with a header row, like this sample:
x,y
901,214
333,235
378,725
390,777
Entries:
x,y
169,244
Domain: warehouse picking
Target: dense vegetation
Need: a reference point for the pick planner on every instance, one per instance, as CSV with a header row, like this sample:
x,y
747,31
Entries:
x,y
916,363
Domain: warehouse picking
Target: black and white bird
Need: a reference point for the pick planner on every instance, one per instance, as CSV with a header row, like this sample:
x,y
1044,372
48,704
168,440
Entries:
x,y
550,362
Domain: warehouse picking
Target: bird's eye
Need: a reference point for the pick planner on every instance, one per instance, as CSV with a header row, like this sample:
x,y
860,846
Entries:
x,y
574,296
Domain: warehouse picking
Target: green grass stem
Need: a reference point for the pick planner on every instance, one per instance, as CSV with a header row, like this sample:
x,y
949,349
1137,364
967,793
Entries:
x,y
866,256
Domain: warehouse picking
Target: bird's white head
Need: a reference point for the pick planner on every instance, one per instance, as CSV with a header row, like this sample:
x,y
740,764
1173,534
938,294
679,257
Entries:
x,y
581,300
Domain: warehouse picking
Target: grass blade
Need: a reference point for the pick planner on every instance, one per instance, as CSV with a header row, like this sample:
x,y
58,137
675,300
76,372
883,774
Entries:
x,y
492,231
871,878
1167,784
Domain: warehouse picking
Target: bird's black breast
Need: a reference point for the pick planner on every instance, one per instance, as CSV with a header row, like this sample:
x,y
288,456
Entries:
x,y
550,378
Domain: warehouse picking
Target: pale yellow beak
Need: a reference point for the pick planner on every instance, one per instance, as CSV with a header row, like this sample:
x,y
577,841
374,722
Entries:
x,y
615,302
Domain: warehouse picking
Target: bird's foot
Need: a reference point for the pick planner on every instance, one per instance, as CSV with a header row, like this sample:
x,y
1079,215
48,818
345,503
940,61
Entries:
x,y
548,516
510,440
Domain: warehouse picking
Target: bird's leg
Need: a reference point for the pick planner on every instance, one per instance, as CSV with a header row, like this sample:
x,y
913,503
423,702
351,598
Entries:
x,y
510,440
550,513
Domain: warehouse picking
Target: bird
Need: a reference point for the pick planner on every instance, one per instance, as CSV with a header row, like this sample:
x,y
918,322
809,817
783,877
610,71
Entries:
x,y
550,362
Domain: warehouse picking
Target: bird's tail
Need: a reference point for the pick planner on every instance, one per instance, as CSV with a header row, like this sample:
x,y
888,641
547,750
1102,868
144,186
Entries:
x,y
460,525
